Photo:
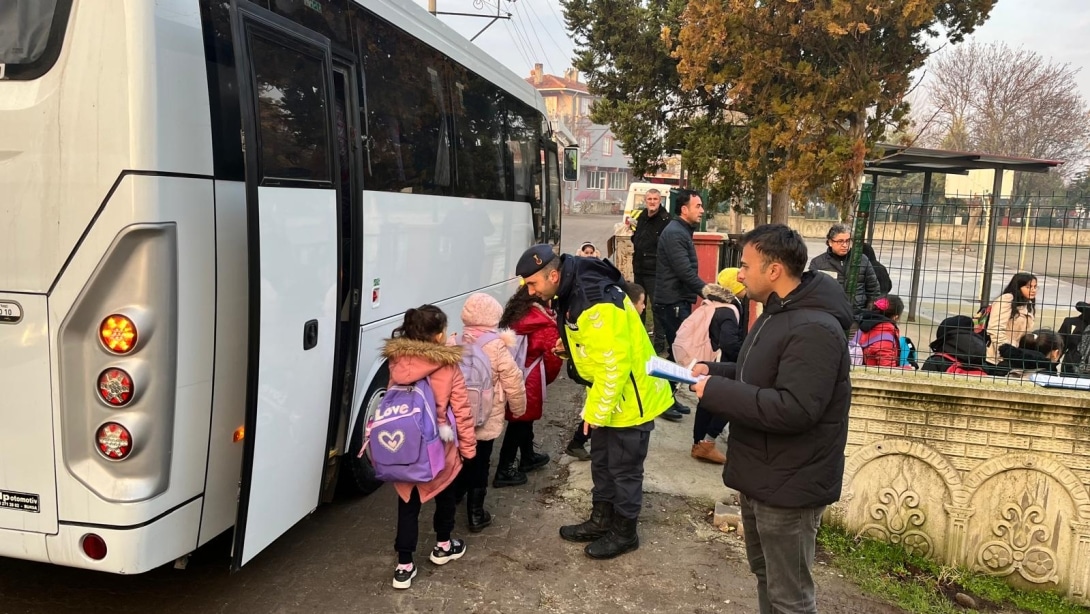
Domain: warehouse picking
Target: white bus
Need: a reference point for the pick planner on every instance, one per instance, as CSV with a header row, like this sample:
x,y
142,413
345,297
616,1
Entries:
x,y
211,214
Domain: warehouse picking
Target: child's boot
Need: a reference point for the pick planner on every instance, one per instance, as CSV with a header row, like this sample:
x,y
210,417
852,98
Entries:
x,y
479,518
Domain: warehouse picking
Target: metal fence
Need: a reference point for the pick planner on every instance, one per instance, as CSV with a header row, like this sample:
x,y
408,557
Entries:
x,y
949,256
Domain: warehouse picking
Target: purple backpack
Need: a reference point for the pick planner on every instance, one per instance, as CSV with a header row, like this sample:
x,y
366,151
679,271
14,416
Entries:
x,y
404,435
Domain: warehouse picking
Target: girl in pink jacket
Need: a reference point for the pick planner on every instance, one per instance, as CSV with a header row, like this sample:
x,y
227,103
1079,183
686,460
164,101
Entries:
x,y
415,352
481,315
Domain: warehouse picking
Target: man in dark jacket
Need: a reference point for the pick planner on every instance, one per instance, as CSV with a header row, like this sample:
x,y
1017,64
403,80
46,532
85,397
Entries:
x,y
676,282
835,261
645,246
787,401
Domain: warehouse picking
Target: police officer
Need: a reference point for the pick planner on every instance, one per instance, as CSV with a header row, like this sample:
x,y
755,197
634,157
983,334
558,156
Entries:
x,y
609,349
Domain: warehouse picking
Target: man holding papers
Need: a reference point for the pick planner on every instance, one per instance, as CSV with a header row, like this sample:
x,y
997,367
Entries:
x,y
787,401
608,347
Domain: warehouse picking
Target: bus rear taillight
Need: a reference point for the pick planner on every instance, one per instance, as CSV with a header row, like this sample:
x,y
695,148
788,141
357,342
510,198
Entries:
x,y
115,387
93,546
118,334
114,441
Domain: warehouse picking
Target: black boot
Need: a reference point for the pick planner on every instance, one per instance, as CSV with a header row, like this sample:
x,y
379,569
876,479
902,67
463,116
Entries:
x,y
601,517
479,518
508,476
620,539
532,461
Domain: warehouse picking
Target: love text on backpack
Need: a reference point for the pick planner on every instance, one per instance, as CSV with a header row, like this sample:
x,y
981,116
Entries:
x,y
403,435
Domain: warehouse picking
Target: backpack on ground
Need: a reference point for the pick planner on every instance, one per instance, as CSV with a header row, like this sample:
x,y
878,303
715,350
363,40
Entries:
x,y
477,371
693,341
404,435
959,368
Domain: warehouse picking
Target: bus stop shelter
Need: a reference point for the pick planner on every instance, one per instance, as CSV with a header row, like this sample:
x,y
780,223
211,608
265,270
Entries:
x,y
900,160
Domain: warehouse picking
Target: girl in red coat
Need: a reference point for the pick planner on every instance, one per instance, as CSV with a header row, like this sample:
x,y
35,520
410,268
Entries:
x,y
878,333
526,315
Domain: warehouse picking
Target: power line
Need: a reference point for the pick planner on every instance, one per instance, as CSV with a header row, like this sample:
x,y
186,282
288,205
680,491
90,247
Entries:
x,y
514,40
541,48
549,34
525,39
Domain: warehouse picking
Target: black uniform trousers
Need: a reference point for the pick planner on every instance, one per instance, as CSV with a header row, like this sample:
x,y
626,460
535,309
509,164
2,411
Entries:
x,y
616,466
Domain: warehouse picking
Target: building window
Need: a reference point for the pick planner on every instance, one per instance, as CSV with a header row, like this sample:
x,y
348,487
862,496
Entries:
x,y
618,181
584,106
584,144
596,180
607,146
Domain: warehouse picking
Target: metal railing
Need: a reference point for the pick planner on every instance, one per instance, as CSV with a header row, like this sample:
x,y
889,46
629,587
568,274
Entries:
x,y
953,255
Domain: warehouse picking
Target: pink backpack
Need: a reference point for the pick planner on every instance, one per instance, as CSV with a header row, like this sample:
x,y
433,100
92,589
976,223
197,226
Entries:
x,y
693,342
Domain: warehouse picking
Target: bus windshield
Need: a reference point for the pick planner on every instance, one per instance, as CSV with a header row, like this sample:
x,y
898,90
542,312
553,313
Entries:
x,y
29,29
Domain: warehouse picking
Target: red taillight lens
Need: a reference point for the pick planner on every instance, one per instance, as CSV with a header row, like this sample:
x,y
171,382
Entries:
x,y
118,334
114,441
94,546
115,387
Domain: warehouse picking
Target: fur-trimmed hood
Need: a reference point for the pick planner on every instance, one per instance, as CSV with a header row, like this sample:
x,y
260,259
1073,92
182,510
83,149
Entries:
x,y
718,294
411,361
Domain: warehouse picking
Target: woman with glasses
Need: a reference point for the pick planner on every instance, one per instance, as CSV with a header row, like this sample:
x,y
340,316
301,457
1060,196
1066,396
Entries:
x,y
1011,315
834,261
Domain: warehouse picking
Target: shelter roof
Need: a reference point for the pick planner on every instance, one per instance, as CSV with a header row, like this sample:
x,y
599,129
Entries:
x,y
900,160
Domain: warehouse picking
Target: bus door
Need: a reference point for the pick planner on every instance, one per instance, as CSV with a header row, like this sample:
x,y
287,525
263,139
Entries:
x,y
286,92
348,146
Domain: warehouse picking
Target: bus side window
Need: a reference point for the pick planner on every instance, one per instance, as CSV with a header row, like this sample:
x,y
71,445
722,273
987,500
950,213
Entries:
x,y
292,114
408,108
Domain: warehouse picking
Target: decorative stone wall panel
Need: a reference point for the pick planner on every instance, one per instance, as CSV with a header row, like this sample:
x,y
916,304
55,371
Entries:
x,y
989,475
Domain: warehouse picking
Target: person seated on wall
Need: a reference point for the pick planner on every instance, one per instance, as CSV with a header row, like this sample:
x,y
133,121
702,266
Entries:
x,y
1037,351
958,349
1073,331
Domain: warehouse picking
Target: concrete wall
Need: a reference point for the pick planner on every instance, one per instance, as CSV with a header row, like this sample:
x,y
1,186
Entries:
x,y
992,475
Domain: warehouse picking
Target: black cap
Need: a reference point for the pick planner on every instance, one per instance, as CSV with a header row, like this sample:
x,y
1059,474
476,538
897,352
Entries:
x,y
533,260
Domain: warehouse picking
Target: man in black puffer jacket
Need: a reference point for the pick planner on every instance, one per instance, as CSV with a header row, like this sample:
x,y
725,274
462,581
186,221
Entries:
x,y
645,247
787,401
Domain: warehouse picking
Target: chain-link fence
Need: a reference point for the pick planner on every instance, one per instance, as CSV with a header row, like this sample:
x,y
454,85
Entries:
x,y
956,256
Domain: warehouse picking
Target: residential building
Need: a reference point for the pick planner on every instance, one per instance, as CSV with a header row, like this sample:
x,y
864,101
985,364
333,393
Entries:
x,y
603,166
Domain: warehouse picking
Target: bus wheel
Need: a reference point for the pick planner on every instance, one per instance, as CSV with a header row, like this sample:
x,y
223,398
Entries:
x,y
360,473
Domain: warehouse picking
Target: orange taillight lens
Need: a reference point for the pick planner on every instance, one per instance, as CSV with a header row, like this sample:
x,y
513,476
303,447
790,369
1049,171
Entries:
x,y
118,334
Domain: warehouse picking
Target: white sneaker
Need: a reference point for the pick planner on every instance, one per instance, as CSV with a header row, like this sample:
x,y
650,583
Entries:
x,y
403,578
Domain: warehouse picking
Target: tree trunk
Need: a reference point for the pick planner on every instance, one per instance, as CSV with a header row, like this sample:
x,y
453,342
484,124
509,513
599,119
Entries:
x,y
760,203
781,205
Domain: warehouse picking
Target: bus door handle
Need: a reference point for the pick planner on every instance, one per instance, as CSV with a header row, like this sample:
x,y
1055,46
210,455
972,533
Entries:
x,y
310,335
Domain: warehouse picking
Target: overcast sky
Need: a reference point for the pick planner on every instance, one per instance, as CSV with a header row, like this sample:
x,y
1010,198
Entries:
x,y
1057,29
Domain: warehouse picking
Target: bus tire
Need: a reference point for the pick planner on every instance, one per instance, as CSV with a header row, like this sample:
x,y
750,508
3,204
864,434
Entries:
x,y
360,474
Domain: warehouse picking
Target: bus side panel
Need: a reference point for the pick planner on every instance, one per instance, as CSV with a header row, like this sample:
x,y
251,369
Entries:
x,y
28,499
471,244
93,496
229,394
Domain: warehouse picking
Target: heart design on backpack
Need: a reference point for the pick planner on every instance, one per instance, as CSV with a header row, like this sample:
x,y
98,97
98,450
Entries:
x,y
391,441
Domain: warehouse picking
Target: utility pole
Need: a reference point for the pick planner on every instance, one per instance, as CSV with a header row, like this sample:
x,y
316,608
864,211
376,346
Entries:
x,y
431,7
